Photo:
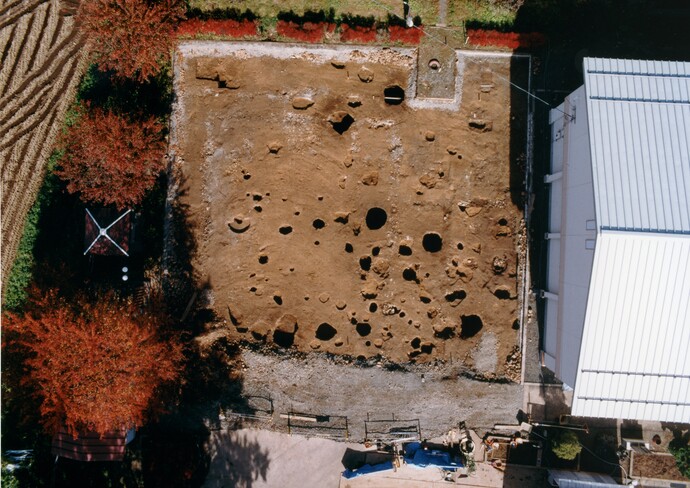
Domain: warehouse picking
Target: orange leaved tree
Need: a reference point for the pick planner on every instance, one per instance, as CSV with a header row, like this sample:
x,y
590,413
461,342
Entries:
x,y
110,159
95,367
131,37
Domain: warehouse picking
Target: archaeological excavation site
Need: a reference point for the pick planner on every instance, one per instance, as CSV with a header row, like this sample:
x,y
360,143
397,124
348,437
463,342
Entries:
x,y
363,202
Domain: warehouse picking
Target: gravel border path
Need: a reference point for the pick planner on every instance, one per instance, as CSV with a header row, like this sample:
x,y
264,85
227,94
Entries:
x,y
438,396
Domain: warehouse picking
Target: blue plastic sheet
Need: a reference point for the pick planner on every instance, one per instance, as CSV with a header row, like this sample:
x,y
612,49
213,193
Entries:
x,y
416,455
367,469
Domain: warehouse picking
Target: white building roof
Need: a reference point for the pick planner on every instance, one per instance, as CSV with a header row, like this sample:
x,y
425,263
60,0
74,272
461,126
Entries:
x,y
639,119
635,353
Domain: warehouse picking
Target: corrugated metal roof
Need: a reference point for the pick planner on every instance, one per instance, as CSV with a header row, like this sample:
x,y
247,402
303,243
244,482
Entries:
x,y
634,358
639,123
580,479
586,484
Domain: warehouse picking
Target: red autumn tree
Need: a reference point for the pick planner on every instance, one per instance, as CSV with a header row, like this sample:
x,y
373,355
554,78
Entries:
x,y
111,160
131,37
95,367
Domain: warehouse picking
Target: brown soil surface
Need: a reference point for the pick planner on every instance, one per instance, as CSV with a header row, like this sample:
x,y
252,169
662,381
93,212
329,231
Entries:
x,y
326,219
42,61
656,466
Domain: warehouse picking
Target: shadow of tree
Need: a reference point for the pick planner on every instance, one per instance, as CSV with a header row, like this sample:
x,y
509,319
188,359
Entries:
x,y
681,434
555,402
520,477
177,449
631,429
236,460
172,450
180,447
519,112
180,247
152,97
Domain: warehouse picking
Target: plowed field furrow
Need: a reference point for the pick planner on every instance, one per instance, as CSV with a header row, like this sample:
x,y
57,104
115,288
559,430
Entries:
x,y
12,180
20,57
6,38
25,149
42,107
13,53
15,14
14,101
38,39
9,159
21,188
42,61
27,109
12,168
7,6
27,177
26,118
51,30
57,31
22,173
41,74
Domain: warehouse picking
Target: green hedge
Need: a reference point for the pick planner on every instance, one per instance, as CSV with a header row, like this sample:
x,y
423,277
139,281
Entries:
x,y
313,16
358,20
21,274
221,14
394,20
308,16
500,26
682,455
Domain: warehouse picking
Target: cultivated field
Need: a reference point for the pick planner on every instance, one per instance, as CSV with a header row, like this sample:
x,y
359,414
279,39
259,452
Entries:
x,y
331,216
42,60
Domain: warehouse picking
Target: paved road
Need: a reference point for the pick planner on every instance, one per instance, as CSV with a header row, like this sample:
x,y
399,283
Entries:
x,y
261,459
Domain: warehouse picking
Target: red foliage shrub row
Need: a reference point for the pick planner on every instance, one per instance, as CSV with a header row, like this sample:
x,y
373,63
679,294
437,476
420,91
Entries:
x,y
357,33
405,35
307,32
225,27
511,40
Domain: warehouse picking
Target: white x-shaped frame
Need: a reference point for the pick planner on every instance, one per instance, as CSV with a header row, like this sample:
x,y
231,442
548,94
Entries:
x,y
103,232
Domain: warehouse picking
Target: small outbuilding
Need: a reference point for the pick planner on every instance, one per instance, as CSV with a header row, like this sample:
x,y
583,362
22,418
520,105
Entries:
x,y
91,446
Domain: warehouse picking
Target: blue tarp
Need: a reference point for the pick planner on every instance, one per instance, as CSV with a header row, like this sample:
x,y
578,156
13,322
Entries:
x,y
367,469
418,456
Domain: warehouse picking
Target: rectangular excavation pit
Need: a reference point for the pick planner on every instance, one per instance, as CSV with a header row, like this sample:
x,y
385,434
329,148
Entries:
x,y
374,238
